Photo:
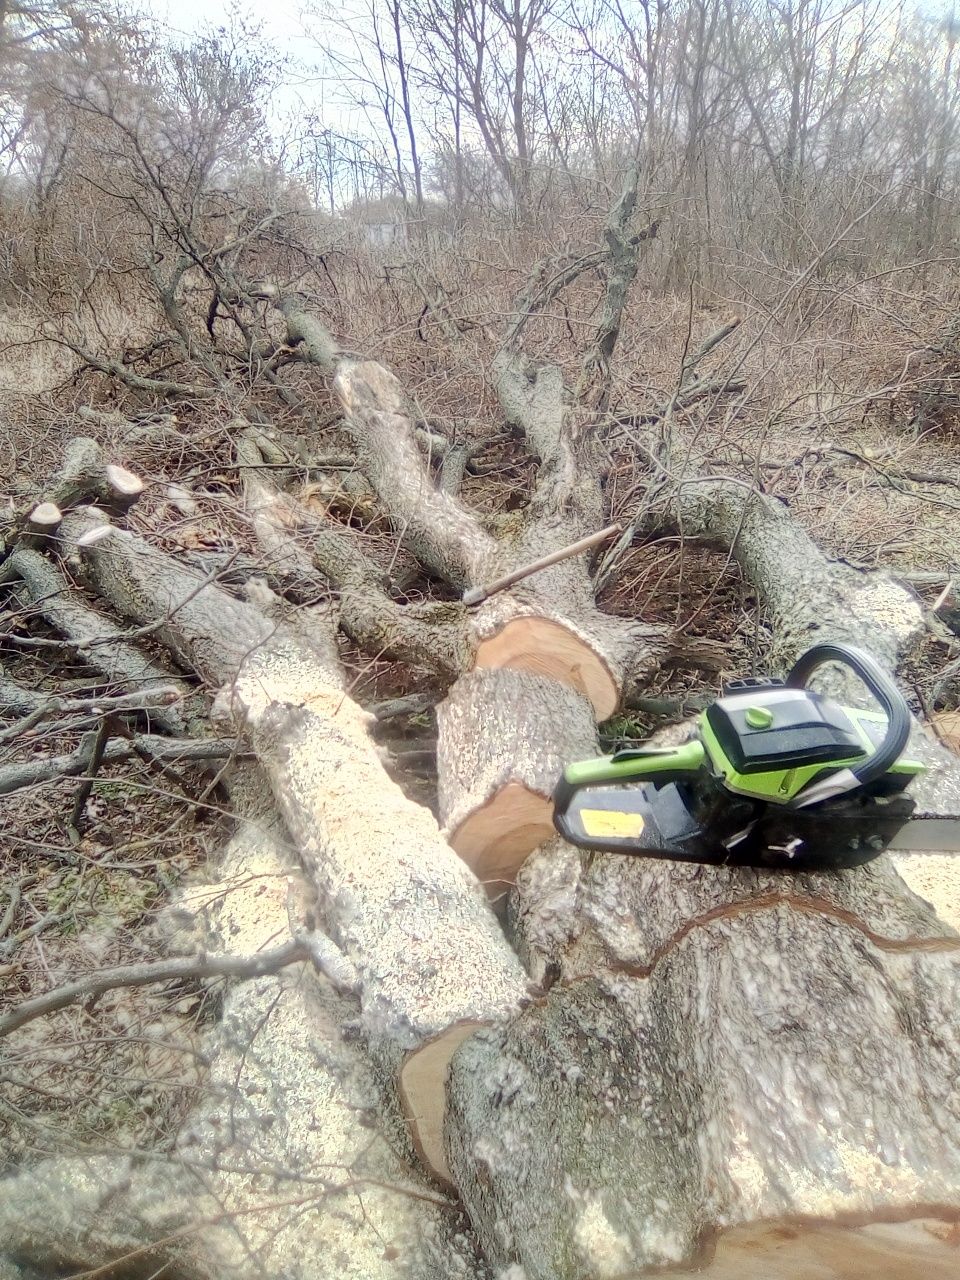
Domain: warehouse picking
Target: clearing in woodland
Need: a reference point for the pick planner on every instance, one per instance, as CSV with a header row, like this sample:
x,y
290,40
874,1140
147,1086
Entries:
x,y
296,978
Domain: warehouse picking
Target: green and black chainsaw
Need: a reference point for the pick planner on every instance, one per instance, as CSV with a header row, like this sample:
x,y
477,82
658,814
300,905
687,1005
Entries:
x,y
775,775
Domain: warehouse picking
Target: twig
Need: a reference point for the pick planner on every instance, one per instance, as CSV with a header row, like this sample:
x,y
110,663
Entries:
x,y
141,975
11,911
712,340
109,704
98,746
320,951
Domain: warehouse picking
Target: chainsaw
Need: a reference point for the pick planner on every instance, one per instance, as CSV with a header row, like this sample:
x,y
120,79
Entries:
x,y
774,775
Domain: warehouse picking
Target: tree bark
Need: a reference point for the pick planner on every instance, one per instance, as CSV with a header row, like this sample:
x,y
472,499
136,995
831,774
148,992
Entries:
x,y
432,962
739,1110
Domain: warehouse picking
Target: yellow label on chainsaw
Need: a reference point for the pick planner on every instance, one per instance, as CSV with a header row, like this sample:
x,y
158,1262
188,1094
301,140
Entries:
x,y
611,822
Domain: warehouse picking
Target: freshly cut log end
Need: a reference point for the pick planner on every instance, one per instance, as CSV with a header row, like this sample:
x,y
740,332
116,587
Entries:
x,y
503,739
423,1084
495,841
547,648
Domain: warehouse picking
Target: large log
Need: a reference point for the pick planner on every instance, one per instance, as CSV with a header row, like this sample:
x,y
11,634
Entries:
x,y
432,962
717,993
740,1112
631,1117
292,1107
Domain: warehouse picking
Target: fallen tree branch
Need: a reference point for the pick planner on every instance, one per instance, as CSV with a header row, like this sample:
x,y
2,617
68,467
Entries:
x,y
383,874
31,773
103,644
431,634
46,706
140,975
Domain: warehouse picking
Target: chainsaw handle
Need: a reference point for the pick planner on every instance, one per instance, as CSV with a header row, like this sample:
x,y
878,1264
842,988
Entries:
x,y
882,688
658,765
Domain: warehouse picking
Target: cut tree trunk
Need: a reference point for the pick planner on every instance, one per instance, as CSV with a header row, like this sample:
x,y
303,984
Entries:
x,y
503,739
712,1080
743,1111
433,964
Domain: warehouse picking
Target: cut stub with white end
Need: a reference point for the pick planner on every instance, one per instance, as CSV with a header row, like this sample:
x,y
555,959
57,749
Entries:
x,y
121,488
43,521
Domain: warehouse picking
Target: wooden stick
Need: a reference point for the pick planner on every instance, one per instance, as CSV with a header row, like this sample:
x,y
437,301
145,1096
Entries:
x,y
476,595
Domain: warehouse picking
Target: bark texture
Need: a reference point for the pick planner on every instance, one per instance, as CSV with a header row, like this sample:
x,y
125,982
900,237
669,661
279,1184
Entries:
x,y
407,911
410,915
623,1124
810,598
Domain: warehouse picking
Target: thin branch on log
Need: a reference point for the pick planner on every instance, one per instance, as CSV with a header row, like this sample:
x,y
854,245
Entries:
x,y
163,388
40,706
542,287
709,343
476,595
455,464
31,773
198,968
621,270
97,741
104,645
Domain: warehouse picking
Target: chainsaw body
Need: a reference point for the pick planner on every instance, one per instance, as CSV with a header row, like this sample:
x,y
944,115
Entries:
x,y
775,775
